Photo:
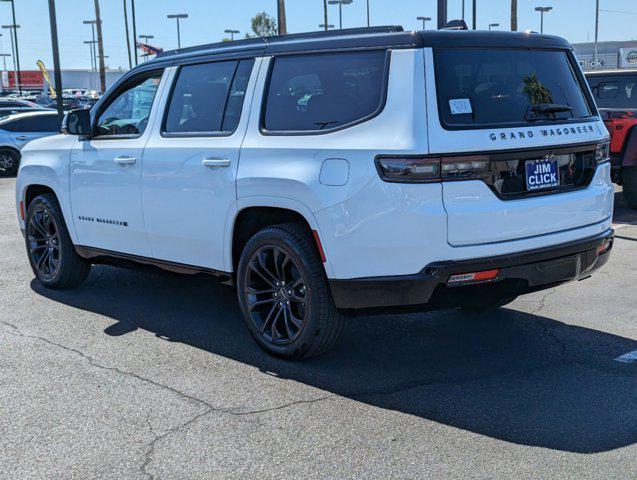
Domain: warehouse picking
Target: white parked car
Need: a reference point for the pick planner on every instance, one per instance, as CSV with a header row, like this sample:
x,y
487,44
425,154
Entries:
x,y
19,129
362,170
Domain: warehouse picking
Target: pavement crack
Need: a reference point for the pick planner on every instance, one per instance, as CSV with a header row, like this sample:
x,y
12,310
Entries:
x,y
94,362
546,330
279,407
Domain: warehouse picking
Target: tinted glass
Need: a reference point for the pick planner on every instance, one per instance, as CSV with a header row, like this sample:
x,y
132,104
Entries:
x,y
320,92
237,96
506,86
614,91
128,112
199,98
11,104
39,123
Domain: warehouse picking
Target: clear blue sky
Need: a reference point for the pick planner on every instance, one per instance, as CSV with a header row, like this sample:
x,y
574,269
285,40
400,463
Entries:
x,y
573,19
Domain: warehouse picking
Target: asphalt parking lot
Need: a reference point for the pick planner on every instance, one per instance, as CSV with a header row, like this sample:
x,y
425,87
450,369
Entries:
x,y
153,375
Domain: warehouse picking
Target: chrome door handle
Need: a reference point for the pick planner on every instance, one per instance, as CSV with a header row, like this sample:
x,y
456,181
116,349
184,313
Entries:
x,y
22,137
215,162
125,160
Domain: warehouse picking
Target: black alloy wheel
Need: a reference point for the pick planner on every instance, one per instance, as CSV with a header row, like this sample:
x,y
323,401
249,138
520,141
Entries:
x,y
275,295
43,239
50,249
9,161
284,293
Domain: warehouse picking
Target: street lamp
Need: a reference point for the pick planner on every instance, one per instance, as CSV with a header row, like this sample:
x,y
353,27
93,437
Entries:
x,y
231,32
424,21
322,26
542,11
4,60
146,38
493,25
15,40
91,44
178,16
94,66
340,4
12,29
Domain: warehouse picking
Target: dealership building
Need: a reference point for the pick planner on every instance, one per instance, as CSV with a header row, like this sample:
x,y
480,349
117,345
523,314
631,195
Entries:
x,y
75,79
610,55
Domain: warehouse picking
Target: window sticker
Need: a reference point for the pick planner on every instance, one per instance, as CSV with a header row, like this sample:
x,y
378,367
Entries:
x,y
460,106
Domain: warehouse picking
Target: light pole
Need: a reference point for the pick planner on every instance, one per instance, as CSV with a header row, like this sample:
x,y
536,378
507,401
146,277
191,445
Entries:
x,y
596,34
94,67
11,29
542,11
493,25
424,21
178,16
232,33
329,26
91,44
3,55
340,4
475,14
146,38
57,73
367,13
15,39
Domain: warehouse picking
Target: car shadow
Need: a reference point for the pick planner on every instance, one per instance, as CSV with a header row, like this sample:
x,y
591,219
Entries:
x,y
621,212
513,376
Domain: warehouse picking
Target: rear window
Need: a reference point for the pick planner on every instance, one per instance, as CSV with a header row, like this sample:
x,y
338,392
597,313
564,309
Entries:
x,y
507,86
313,93
614,91
35,123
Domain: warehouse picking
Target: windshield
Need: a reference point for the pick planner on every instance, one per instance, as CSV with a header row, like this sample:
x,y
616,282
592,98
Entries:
x,y
507,86
614,91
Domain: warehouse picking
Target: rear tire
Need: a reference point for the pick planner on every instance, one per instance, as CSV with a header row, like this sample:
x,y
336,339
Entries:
x,y
284,294
51,253
9,161
629,185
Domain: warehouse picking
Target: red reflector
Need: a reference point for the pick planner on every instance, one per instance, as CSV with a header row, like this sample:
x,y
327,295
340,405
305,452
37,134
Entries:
x,y
22,214
319,246
474,276
603,248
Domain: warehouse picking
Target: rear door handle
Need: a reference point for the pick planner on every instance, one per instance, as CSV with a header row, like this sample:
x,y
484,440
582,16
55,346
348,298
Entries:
x,y
215,162
125,160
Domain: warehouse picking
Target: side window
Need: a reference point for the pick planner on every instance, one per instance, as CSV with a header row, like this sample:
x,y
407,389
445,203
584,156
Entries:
x,y
310,93
207,98
127,113
608,90
36,123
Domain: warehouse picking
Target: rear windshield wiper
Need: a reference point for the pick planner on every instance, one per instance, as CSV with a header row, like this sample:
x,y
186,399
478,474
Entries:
x,y
535,111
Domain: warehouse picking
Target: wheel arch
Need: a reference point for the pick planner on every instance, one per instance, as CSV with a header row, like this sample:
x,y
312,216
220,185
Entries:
x,y
254,214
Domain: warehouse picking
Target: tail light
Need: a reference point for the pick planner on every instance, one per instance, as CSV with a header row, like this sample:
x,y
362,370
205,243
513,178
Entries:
x,y
433,169
602,152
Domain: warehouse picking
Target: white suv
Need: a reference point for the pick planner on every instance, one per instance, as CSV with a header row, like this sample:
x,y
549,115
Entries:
x,y
354,171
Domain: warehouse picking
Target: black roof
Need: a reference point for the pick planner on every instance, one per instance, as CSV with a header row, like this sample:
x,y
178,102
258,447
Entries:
x,y
360,38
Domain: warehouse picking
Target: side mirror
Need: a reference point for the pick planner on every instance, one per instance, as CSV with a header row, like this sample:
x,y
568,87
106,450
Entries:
x,y
77,122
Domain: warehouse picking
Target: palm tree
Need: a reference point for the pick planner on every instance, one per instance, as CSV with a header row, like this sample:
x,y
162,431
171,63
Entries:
x,y
514,15
281,14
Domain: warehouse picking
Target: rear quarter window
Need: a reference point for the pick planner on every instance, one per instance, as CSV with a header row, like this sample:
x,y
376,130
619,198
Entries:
x,y
614,91
482,87
322,92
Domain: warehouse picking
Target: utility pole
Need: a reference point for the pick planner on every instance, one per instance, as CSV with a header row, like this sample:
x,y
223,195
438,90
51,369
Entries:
x,y
463,10
132,5
368,13
56,61
442,13
281,20
15,40
100,46
325,22
130,60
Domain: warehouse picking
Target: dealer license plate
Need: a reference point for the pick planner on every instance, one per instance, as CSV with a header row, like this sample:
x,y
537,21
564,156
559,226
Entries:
x,y
542,174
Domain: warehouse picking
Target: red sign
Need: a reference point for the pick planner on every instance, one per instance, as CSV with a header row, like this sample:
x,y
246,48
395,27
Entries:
x,y
28,79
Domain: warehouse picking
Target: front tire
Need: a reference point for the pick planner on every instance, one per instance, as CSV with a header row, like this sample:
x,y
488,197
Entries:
x,y
629,185
9,161
49,247
284,294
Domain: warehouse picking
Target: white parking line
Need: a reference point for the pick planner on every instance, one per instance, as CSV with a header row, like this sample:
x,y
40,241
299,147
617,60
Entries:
x,y
629,357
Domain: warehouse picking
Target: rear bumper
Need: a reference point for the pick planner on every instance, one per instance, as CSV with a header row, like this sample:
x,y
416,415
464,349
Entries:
x,y
519,273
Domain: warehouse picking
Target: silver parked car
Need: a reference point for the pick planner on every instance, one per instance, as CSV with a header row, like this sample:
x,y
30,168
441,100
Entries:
x,y
18,130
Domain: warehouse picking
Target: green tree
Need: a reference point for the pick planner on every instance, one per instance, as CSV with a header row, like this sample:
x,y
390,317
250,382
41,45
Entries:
x,y
262,25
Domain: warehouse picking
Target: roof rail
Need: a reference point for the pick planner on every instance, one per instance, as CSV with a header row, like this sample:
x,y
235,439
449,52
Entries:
x,y
262,42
